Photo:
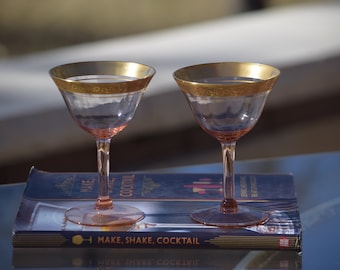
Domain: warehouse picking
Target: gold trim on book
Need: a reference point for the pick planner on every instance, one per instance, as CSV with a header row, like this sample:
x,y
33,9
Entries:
x,y
43,239
227,241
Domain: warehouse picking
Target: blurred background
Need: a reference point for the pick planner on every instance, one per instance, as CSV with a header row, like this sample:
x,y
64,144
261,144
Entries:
x,y
35,25
34,30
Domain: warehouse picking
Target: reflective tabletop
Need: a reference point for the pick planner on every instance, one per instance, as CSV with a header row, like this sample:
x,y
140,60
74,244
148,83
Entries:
x,y
317,180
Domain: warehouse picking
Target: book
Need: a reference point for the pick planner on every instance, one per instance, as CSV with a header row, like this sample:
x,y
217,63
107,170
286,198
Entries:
x,y
166,200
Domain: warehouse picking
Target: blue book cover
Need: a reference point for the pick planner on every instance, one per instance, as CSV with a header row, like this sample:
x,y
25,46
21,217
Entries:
x,y
166,200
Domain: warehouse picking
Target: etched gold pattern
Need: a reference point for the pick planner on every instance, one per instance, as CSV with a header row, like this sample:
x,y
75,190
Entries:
x,y
255,78
62,74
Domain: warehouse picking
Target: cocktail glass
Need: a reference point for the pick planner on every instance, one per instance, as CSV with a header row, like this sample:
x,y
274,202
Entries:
x,y
226,100
102,97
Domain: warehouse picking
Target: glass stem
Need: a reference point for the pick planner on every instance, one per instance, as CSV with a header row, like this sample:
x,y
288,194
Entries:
x,y
229,204
104,201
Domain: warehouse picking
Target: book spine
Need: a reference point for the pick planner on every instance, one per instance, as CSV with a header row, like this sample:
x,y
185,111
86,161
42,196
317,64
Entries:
x,y
154,240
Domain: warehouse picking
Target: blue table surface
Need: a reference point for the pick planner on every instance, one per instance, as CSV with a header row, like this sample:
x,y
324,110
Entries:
x,y
317,180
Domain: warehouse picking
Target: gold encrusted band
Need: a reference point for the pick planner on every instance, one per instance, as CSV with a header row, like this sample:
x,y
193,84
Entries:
x,y
62,74
261,78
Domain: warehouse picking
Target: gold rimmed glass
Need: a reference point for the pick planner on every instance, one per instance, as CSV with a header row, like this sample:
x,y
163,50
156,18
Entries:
x,y
227,99
102,97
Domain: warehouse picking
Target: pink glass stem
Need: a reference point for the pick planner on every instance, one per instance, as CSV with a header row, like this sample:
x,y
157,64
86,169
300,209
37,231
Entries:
x,y
104,201
229,204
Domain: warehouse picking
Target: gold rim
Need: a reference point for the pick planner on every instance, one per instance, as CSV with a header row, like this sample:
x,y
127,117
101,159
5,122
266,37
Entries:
x,y
252,78
62,75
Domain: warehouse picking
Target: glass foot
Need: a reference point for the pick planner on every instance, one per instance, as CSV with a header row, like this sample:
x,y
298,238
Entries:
x,y
245,216
119,215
